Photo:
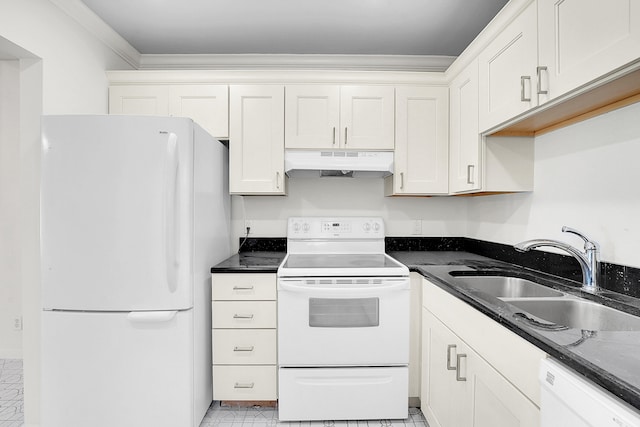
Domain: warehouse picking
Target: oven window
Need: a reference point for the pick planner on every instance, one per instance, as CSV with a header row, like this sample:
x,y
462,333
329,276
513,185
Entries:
x,y
343,312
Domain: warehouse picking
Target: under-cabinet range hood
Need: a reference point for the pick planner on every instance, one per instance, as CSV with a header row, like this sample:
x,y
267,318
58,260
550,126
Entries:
x,y
349,164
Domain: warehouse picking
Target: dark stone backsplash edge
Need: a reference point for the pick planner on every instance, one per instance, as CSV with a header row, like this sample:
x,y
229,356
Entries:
x,y
614,277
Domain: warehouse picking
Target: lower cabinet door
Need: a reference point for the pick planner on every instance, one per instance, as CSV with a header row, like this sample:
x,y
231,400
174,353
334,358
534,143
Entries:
x,y
244,382
461,389
497,403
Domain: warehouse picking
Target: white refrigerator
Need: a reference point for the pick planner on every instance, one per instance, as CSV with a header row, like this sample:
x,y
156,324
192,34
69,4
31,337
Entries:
x,y
134,212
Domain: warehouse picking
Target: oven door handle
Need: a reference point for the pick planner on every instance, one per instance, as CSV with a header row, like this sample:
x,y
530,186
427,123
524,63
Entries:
x,y
400,285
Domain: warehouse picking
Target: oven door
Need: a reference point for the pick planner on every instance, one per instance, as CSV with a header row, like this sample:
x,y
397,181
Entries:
x,y
354,321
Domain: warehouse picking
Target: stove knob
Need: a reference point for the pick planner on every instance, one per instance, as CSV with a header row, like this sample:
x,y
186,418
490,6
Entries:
x,y
296,227
366,226
305,227
376,226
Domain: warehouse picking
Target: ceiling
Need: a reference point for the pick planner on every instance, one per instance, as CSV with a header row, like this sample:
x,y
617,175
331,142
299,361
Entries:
x,y
330,27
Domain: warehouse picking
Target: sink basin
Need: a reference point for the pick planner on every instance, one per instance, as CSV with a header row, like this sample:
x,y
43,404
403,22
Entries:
x,y
580,314
508,287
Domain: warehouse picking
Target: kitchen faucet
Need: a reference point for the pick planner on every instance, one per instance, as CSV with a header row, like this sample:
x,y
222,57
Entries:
x,y
589,259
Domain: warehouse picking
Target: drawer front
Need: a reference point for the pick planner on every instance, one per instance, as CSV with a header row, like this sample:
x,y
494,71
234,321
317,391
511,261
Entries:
x,y
244,383
244,314
243,287
244,346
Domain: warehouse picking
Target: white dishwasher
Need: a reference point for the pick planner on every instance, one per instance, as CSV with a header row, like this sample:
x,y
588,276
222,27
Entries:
x,y
569,400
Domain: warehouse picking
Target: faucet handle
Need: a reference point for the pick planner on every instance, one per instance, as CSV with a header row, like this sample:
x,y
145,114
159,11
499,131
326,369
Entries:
x,y
588,243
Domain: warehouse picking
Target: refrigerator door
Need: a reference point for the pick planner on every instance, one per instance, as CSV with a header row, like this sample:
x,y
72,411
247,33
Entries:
x,y
117,369
117,213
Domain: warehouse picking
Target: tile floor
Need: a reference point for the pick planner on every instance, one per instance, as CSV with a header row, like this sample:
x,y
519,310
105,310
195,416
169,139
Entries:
x,y
11,412
11,409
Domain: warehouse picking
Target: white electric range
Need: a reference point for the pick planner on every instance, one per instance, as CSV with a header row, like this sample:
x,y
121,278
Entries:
x,y
343,323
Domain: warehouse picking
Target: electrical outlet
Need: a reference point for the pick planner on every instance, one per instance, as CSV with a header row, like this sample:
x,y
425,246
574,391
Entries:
x,y
417,227
248,224
17,323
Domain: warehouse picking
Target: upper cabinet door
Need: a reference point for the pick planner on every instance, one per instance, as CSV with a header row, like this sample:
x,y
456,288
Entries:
x,y
508,71
143,100
422,141
581,40
207,105
367,117
256,139
464,138
312,116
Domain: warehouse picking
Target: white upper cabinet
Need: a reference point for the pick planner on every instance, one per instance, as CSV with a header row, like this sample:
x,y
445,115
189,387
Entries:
x,y
581,40
256,139
367,117
312,116
143,100
207,105
422,136
340,117
464,138
508,71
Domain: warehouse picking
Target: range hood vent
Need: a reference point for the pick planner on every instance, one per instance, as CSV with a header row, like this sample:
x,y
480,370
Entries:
x,y
346,164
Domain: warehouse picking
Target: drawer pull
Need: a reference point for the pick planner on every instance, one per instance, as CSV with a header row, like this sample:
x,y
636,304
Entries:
x,y
243,288
243,385
449,348
459,376
250,348
243,316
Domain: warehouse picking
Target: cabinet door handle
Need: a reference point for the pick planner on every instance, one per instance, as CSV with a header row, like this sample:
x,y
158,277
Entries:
x,y
243,316
449,348
522,89
539,71
458,358
278,180
243,288
401,180
334,136
243,385
470,169
250,348
345,135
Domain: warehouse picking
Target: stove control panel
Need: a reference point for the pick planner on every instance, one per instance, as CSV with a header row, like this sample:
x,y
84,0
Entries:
x,y
335,228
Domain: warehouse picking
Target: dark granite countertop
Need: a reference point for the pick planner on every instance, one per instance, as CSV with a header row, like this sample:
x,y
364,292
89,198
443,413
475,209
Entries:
x,y
608,358
251,262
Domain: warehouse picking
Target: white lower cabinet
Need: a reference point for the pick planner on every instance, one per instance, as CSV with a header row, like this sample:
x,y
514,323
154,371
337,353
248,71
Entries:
x,y
244,337
464,386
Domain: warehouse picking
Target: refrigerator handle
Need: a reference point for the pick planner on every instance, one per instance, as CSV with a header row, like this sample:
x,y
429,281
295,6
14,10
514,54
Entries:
x,y
151,316
171,211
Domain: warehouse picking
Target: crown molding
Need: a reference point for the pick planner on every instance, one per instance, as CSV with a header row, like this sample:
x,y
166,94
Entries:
x,y
418,63
263,76
84,16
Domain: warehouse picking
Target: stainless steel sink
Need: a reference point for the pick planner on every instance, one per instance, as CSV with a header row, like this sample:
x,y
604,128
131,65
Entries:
x,y
508,287
579,314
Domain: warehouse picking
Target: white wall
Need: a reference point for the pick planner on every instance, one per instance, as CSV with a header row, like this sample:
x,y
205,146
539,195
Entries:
x,y
67,76
10,287
587,176
74,62
438,216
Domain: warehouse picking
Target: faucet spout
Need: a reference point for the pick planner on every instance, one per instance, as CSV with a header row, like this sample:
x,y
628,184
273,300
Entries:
x,y
588,260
